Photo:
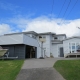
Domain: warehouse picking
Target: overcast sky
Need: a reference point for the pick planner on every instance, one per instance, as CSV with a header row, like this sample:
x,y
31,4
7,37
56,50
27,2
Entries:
x,y
40,16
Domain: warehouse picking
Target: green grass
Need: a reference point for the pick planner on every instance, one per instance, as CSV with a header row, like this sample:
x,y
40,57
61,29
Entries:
x,y
69,69
9,69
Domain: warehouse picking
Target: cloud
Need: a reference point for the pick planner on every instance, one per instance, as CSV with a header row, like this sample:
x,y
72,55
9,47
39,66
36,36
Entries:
x,y
45,24
5,28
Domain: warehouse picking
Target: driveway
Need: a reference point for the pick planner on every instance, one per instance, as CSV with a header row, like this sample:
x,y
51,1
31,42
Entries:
x,y
39,63
39,69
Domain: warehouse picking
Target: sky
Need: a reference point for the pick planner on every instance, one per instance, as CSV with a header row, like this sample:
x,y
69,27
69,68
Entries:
x,y
40,16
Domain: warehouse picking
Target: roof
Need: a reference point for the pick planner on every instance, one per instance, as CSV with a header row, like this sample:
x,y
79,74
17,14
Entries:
x,y
46,33
71,38
29,32
33,32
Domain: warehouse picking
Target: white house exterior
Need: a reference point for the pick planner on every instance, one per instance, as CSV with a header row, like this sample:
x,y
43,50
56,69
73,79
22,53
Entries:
x,y
55,45
17,43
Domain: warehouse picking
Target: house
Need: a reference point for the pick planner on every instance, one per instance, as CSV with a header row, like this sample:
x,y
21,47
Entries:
x,y
27,44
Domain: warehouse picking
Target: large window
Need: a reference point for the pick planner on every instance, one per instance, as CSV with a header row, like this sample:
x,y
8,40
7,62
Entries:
x,y
78,47
74,47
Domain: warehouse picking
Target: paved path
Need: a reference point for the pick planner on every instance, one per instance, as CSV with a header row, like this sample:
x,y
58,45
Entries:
x,y
39,69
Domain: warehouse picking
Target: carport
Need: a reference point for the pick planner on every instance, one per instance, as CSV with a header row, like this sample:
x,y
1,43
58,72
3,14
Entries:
x,y
30,52
20,45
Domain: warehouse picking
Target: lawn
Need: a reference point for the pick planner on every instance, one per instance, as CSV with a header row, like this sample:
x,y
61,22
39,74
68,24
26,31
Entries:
x,y
69,69
9,69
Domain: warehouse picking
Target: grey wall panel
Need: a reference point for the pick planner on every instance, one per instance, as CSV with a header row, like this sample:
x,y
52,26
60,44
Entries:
x,y
11,51
20,51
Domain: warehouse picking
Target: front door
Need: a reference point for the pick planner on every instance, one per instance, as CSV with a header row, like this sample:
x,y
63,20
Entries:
x,y
61,52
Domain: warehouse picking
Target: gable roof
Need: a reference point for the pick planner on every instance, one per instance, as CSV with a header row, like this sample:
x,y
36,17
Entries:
x,y
71,38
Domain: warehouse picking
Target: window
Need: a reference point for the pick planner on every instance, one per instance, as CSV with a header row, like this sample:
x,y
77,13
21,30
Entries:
x,y
55,38
40,36
34,36
74,47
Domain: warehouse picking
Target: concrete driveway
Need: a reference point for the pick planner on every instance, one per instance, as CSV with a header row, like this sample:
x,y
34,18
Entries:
x,y
39,69
39,63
